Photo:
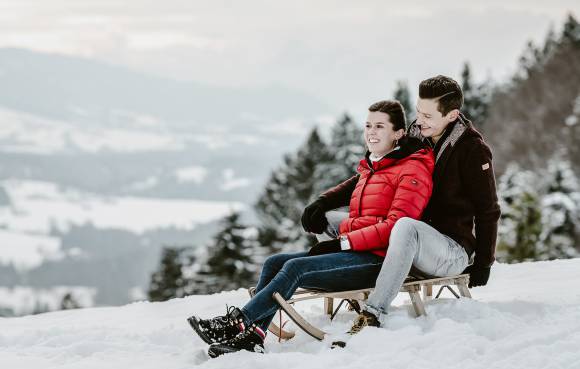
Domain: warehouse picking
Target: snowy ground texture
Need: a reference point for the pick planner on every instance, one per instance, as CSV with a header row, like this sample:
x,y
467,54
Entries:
x,y
528,316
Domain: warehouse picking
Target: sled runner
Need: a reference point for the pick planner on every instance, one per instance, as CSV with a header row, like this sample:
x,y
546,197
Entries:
x,y
415,282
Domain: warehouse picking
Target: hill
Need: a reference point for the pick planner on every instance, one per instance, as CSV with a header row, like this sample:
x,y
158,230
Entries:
x,y
526,317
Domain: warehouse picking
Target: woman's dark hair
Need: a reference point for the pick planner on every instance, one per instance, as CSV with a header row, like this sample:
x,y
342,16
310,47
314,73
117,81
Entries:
x,y
394,110
443,89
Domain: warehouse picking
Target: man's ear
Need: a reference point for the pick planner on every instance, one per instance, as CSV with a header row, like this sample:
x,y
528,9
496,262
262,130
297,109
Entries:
x,y
400,133
453,115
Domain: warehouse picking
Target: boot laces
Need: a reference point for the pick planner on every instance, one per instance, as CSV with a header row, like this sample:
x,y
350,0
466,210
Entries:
x,y
242,336
223,320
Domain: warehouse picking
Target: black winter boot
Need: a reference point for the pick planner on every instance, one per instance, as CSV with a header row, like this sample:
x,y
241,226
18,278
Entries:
x,y
220,328
252,339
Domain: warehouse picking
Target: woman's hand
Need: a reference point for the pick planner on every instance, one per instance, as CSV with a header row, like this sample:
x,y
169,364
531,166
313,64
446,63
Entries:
x,y
325,247
314,218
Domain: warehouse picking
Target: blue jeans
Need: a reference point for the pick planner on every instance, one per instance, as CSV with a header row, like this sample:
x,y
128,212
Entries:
x,y
284,273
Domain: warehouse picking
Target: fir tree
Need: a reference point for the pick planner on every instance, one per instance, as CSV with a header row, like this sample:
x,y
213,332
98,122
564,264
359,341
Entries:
x,y
550,44
529,61
403,95
230,262
540,213
520,223
40,308
560,214
290,189
475,97
272,204
571,31
167,282
68,302
347,149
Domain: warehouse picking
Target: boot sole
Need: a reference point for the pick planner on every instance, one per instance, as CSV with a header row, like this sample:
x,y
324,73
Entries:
x,y
215,351
338,344
195,325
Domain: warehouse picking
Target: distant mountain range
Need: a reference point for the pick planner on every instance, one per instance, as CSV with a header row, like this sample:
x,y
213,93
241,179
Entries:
x,y
85,91
98,132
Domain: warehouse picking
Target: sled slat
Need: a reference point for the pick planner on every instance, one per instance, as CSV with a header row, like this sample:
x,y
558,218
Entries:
x,y
412,286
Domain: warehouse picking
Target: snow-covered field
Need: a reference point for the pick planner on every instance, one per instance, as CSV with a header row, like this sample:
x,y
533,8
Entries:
x,y
27,133
528,316
37,207
23,300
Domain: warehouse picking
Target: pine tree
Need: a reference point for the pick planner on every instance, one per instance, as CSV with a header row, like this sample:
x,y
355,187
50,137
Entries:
x,y
540,213
476,97
560,213
271,240
40,308
272,204
526,117
230,261
290,189
346,141
528,62
550,44
521,222
68,302
403,95
571,31
167,282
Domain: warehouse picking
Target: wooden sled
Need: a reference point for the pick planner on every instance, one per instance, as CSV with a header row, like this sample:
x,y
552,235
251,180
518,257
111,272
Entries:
x,y
413,285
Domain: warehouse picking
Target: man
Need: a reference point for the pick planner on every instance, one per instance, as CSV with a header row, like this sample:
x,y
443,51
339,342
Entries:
x,y
459,225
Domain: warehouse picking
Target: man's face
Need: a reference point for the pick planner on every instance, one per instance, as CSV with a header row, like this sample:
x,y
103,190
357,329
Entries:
x,y
431,121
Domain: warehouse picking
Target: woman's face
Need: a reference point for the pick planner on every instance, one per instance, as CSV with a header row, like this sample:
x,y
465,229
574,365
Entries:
x,y
379,134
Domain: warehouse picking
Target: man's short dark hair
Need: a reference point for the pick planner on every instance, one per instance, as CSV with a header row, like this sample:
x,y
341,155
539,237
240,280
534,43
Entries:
x,y
393,109
443,89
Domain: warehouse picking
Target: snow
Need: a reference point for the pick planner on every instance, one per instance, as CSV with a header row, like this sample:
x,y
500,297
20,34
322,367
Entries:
x,y
195,174
27,251
23,300
22,132
572,120
526,317
147,183
230,182
38,207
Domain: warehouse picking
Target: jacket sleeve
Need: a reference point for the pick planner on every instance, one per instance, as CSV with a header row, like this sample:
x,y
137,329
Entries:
x,y
339,195
410,199
478,176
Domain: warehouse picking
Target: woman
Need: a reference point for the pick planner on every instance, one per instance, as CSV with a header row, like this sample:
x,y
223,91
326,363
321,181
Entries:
x,y
393,181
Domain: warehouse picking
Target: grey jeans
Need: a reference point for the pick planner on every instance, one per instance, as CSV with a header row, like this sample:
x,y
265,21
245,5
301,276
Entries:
x,y
334,218
412,242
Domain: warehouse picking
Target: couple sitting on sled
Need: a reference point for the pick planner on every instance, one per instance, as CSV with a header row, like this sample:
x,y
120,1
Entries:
x,y
422,197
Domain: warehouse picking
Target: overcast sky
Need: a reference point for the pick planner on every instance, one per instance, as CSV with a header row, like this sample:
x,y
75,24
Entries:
x,y
347,53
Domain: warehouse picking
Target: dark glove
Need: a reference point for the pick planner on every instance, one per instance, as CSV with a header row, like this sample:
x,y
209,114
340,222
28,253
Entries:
x,y
314,218
325,247
478,275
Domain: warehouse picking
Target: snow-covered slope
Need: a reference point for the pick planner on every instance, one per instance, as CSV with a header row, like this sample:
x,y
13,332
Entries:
x,y
528,316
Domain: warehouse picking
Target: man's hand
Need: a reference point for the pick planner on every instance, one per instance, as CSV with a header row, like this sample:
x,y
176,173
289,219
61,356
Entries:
x,y
314,218
325,247
478,275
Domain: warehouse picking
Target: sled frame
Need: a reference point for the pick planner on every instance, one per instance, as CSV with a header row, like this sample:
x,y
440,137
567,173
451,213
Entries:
x,y
413,286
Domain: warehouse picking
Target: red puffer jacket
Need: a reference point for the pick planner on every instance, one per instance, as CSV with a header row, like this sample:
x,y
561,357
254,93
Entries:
x,y
385,192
